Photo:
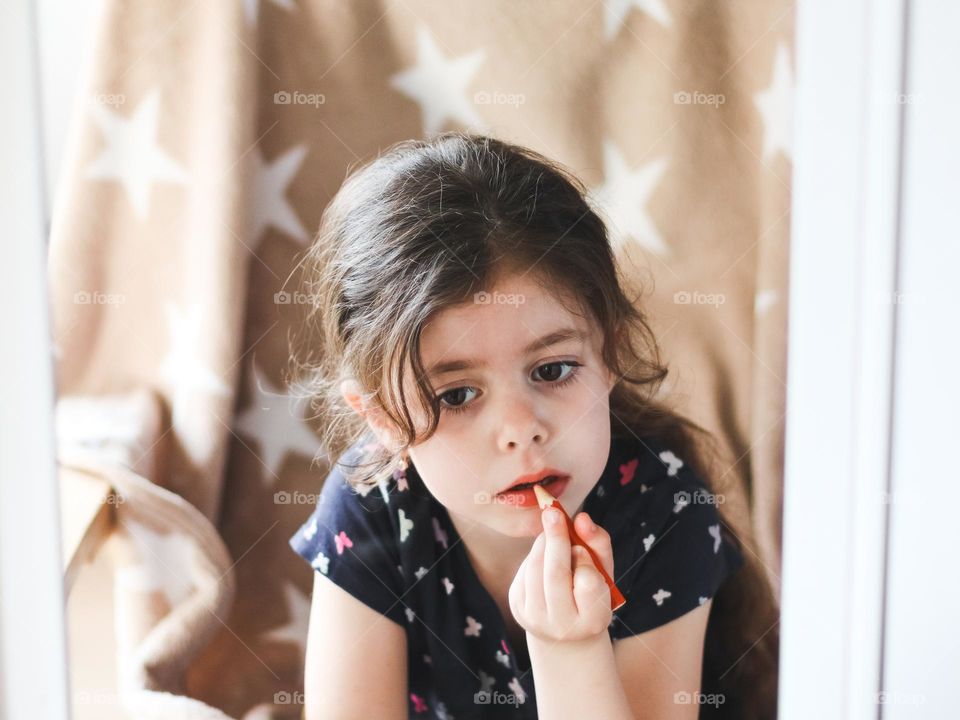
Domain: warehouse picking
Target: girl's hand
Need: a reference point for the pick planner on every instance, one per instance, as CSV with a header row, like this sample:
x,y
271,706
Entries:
x,y
557,593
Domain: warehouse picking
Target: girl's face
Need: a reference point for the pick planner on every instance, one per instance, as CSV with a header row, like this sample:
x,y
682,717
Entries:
x,y
522,387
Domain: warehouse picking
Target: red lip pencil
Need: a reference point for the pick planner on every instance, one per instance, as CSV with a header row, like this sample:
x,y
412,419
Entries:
x,y
545,499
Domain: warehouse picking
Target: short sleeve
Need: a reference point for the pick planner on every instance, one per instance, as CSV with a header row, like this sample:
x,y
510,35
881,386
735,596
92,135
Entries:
x,y
683,555
349,538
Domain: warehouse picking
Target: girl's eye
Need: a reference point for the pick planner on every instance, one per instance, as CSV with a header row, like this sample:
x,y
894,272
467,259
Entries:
x,y
454,400
557,374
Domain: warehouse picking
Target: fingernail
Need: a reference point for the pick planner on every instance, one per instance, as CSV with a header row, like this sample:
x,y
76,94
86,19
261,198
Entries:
x,y
553,517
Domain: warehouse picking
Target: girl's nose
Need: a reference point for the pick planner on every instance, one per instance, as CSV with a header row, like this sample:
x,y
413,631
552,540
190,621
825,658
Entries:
x,y
520,426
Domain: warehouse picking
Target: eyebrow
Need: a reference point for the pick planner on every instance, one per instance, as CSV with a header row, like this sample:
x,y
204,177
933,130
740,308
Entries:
x,y
552,338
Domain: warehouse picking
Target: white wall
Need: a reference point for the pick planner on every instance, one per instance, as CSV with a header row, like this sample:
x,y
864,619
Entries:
x,y
922,641
33,672
871,577
65,38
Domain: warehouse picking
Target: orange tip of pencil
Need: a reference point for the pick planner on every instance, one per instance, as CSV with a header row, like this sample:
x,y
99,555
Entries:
x,y
545,500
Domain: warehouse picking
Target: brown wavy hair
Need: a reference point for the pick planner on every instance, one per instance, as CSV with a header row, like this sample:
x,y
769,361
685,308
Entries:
x,y
423,227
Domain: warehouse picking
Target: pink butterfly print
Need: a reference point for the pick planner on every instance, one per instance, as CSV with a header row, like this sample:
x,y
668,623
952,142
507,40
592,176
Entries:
x,y
342,541
628,470
418,703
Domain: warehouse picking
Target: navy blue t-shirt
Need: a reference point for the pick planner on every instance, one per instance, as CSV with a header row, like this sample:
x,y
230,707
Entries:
x,y
395,548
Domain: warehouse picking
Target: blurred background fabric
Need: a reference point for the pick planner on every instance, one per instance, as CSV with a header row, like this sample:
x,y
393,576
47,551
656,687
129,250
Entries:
x,y
208,140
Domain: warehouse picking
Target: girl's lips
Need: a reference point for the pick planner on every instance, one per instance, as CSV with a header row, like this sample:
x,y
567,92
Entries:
x,y
528,497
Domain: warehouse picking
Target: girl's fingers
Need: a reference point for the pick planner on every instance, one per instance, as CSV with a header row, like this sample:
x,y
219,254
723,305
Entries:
x,y
557,574
534,599
597,538
590,591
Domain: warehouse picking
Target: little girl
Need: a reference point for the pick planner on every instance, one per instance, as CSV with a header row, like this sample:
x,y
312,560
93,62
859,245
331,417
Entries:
x,y
468,334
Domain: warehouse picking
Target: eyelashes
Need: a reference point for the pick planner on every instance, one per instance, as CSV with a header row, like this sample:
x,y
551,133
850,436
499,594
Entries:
x,y
553,384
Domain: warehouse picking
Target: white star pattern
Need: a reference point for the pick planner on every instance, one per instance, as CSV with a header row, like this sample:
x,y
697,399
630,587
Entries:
x,y
144,160
275,420
165,563
776,106
132,156
271,207
251,9
191,381
623,197
298,615
439,85
763,301
616,11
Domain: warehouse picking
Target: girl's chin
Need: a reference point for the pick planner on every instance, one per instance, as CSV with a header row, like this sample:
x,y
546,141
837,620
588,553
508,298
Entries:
x,y
529,525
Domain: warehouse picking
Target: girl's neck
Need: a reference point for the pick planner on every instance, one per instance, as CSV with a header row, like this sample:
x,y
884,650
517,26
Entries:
x,y
492,554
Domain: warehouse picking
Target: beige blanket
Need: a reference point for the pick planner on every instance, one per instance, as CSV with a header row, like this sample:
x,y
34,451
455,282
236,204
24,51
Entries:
x,y
208,139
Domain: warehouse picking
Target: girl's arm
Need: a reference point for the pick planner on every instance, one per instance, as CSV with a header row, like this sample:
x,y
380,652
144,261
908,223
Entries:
x,y
566,612
649,676
340,681
578,679
660,668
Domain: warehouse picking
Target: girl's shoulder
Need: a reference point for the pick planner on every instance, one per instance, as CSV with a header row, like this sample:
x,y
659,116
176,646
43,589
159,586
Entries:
x,y
352,536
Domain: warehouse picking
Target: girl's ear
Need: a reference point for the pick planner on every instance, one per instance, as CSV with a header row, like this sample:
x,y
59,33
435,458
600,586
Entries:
x,y
370,411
